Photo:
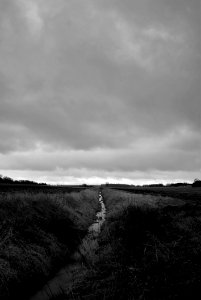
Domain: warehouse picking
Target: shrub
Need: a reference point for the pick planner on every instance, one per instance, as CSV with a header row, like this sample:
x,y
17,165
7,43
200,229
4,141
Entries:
x,y
196,183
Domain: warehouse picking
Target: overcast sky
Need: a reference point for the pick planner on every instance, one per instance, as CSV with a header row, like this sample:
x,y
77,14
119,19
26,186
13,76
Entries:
x,y
100,90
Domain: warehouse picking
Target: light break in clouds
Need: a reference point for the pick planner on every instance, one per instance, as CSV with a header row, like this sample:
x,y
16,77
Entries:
x,y
96,90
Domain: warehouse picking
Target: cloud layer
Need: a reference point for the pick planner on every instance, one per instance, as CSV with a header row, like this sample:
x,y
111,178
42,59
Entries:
x,y
108,87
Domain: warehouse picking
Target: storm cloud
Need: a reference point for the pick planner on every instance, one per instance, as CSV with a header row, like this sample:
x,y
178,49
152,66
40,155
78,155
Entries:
x,y
91,90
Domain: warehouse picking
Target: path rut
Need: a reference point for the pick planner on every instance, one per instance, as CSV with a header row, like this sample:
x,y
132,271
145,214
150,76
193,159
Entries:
x,y
67,277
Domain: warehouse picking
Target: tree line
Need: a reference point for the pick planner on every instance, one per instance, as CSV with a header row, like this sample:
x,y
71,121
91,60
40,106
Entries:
x,y
8,180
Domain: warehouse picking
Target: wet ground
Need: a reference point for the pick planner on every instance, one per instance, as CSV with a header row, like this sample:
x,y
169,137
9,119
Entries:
x,y
67,277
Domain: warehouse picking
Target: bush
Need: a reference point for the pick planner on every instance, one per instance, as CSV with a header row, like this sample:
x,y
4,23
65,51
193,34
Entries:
x,y
196,183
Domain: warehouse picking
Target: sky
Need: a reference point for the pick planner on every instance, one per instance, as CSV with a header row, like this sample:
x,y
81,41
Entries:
x,y
100,91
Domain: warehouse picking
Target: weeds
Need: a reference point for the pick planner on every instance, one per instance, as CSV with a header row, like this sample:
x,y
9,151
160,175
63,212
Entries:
x,y
147,250
38,232
149,247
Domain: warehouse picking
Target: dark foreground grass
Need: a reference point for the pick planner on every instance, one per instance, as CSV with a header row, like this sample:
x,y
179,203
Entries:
x,y
38,233
146,251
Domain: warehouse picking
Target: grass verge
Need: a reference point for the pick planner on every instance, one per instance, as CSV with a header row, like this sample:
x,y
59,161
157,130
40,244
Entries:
x,y
38,233
149,248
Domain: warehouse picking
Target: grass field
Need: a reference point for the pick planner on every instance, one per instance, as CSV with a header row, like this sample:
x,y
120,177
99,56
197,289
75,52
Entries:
x,y
185,192
149,248
50,189
38,233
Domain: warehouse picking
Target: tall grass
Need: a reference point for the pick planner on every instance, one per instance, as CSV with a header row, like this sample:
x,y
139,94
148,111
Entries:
x,y
147,250
38,233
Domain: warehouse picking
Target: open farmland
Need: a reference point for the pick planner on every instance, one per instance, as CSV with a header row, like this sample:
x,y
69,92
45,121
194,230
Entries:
x,y
33,188
149,245
100,150
181,192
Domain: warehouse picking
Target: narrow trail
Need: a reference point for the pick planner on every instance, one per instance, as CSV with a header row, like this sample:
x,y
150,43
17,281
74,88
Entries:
x,y
67,277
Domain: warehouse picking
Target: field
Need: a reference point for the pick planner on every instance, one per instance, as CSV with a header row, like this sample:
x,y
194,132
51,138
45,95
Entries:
x,y
186,192
38,233
50,189
149,247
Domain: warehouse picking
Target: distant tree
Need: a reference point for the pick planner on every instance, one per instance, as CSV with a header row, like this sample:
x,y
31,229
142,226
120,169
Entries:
x,y
1,178
8,180
196,183
179,184
154,185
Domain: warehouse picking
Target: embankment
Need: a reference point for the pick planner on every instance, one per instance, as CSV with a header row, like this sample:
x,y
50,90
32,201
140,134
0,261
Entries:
x,y
38,234
69,276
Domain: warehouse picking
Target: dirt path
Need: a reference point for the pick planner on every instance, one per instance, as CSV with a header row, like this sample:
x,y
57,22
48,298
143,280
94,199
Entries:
x,y
69,276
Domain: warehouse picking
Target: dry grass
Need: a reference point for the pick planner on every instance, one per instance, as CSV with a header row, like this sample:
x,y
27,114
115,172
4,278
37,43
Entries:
x,y
147,250
187,193
38,233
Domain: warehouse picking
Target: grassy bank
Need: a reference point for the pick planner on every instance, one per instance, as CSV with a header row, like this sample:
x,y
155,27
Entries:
x,y
149,248
38,233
